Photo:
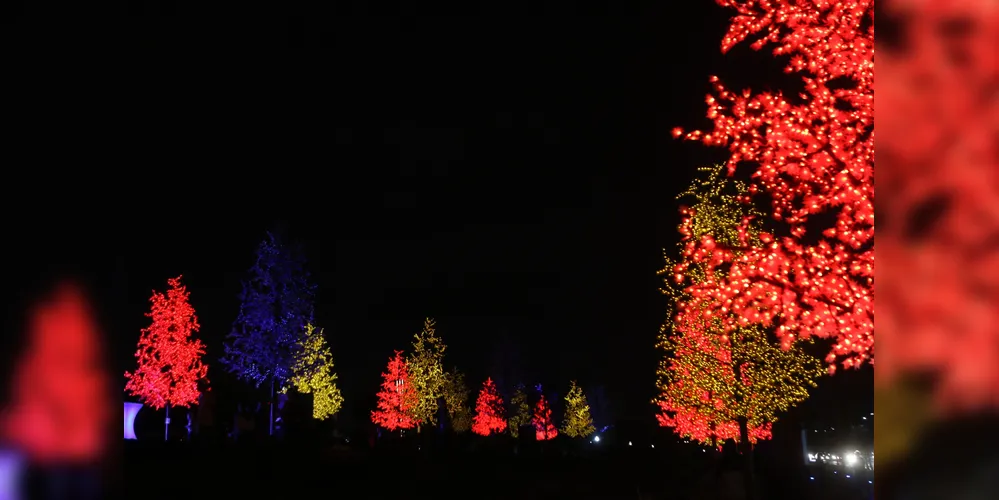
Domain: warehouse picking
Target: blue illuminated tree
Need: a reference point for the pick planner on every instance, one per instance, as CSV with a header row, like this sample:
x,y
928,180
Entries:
x,y
276,303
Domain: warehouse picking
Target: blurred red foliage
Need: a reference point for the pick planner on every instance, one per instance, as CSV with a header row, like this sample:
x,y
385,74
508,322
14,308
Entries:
x,y
938,244
60,410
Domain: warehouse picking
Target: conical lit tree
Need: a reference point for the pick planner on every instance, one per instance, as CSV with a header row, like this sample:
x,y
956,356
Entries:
x,y
276,302
312,373
488,411
811,158
719,384
426,369
456,396
169,367
544,429
577,420
397,397
520,411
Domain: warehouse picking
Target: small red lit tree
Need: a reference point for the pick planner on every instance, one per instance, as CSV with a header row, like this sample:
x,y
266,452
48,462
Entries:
x,y
397,398
812,159
488,411
169,367
544,429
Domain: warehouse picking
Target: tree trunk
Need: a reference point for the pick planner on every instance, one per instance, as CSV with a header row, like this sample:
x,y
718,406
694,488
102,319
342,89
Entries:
x,y
270,421
746,450
166,424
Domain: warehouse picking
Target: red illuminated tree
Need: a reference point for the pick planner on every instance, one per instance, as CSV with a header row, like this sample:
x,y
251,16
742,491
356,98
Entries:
x,y
544,428
397,398
812,274
60,406
169,367
938,305
488,411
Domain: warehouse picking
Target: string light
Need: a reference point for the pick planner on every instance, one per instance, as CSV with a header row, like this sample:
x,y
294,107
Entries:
x,y
489,411
577,420
813,157
169,369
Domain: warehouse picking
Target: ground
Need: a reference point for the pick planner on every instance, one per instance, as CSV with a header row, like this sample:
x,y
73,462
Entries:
x,y
154,470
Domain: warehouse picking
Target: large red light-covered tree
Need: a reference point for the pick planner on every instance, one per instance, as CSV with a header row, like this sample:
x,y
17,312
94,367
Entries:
x,y
812,159
397,398
169,367
488,411
544,428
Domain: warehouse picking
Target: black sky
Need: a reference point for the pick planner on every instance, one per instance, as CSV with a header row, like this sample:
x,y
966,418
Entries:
x,y
510,174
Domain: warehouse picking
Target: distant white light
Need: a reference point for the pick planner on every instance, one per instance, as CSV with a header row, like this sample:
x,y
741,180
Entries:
x,y
653,446
870,482
812,478
596,439
848,476
629,443
865,418
850,459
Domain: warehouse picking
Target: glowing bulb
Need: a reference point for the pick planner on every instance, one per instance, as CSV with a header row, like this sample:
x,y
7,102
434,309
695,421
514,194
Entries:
x,y
596,439
850,459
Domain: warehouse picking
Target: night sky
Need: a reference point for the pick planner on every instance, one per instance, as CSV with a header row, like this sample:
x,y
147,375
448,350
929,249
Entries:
x,y
511,175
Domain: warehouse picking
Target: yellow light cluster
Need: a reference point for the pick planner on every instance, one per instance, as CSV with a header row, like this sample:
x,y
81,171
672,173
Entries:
x,y
456,396
426,371
520,412
577,422
313,374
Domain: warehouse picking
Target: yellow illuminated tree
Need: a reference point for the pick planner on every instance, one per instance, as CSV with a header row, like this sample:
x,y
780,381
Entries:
x,y
520,411
716,386
312,373
426,370
577,421
456,395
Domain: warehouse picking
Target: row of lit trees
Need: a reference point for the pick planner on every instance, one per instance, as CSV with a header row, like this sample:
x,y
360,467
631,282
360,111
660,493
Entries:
x,y
413,387
274,339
